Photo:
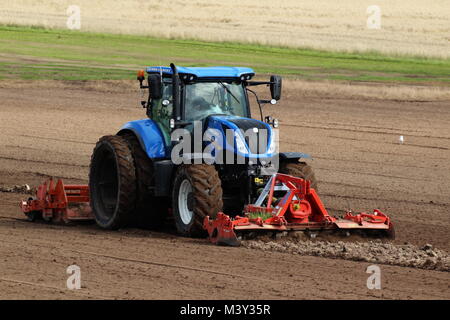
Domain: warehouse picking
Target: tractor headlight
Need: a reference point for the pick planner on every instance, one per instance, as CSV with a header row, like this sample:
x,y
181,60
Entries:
x,y
275,123
187,77
240,144
246,76
273,144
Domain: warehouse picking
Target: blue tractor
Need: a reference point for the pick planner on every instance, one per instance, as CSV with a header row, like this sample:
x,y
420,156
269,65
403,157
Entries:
x,y
134,177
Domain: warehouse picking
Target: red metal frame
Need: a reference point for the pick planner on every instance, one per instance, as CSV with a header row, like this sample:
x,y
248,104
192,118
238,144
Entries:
x,y
300,209
59,202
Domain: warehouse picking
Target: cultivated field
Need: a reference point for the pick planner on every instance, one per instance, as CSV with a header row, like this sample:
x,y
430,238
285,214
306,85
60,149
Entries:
x,y
49,128
349,93
415,27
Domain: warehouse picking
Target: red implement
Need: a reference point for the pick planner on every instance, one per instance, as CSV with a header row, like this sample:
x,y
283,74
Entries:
x,y
300,208
59,203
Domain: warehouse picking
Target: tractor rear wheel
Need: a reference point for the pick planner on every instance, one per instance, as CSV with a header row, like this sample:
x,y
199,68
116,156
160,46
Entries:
x,y
300,170
150,212
112,182
197,193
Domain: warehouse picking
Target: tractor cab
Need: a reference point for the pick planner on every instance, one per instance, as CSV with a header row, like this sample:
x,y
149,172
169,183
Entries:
x,y
180,96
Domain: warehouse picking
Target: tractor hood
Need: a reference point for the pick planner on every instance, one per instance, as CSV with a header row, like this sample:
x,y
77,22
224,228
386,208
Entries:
x,y
245,137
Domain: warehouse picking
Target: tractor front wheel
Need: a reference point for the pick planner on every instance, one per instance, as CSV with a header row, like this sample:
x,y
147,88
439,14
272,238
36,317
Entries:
x,y
300,170
197,193
112,182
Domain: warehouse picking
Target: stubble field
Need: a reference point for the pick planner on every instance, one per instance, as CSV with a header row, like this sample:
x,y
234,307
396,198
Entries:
x,y
413,28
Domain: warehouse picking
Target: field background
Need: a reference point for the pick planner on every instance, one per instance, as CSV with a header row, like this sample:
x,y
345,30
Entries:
x,y
414,27
309,40
36,53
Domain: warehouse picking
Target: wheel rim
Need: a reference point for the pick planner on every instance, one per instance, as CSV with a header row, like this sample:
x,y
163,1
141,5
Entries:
x,y
185,201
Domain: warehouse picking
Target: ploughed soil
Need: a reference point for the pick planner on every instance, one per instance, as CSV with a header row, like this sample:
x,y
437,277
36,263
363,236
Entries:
x,y
49,129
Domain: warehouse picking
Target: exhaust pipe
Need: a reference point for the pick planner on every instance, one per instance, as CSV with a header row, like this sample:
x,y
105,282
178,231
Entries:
x,y
176,92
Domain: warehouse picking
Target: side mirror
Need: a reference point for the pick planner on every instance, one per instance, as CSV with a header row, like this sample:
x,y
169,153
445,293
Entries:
x,y
275,87
155,85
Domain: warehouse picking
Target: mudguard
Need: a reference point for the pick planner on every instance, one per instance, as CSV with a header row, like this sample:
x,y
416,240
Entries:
x,y
294,155
150,137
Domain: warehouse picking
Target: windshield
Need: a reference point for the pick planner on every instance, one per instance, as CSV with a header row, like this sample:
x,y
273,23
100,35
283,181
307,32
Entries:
x,y
206,98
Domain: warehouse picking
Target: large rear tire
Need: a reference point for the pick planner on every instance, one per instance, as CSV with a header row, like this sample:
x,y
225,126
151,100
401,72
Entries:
x,y
150,212
197,193
112,182
300,170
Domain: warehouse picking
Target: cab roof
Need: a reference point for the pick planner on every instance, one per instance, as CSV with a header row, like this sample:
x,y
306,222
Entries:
x,y
205,72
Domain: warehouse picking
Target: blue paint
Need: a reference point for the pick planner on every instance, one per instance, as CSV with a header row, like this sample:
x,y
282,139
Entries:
x,y
205,72
218,122
150,137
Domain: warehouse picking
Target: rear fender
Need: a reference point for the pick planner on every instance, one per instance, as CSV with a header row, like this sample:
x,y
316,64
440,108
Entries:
x,y
149,135
293,156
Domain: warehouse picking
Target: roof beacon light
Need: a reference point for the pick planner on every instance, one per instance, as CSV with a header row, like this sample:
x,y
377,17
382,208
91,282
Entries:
x,y
141,77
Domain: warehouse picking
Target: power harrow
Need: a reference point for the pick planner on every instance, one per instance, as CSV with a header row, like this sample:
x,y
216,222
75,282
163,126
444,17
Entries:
x,y
58,203
285,204
299,209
